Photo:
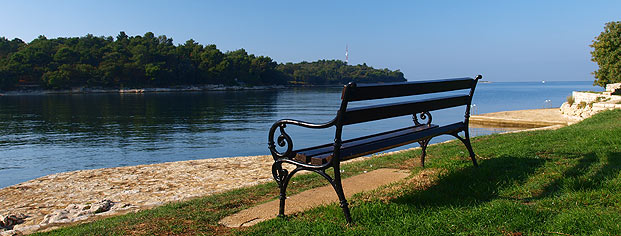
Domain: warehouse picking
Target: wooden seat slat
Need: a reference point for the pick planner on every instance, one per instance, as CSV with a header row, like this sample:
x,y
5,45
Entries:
x,y
305,155
389,90
378,145
383,111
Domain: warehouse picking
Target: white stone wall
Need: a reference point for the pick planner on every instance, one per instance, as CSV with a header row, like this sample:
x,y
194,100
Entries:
x,y
613,87
587,104
585,96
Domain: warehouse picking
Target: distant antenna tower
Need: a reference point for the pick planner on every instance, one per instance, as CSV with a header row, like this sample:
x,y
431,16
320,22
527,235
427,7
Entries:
x,y
346,54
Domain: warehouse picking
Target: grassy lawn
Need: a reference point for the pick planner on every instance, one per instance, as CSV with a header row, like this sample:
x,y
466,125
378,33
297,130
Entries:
x,y
562,182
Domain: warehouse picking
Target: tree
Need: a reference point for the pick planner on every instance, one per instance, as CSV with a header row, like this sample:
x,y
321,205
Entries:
x,y
7,78
607,54
7,47
66,55
57,79
147,61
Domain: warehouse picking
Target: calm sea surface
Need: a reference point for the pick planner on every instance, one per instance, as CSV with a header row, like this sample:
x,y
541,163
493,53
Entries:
x,y
45,134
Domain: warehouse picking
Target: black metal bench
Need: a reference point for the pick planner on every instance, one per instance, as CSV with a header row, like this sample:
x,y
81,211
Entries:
x,y
320,158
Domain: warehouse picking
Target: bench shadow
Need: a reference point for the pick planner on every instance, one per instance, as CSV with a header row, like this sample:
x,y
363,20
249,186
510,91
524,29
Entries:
x,y
583,176
474,185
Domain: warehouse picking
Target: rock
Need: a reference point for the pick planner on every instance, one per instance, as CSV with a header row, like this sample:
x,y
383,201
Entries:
x,y
103,205
122,207
10,221
27,229
613,87
11,233
77,212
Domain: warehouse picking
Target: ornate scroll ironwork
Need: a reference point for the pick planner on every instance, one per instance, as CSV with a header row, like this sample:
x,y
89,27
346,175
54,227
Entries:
x,y
423,116
279,173
282,140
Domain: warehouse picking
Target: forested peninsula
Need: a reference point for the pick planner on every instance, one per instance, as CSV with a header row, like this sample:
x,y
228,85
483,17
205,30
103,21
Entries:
x,y
149,61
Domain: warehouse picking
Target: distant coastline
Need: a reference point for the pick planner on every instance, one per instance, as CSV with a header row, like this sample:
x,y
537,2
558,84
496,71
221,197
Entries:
x,y
192,88
150,61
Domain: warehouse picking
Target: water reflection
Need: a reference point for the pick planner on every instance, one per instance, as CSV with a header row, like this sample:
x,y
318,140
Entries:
x,y
40,135
478,130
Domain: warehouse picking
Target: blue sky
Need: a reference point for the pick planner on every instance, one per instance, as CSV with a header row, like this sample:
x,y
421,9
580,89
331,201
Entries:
x,y
503,40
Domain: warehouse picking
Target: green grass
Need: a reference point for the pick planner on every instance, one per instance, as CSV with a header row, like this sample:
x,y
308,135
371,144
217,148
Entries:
x,y
562,182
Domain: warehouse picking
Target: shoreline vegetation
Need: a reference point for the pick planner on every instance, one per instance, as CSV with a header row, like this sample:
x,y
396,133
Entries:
x,y
151,61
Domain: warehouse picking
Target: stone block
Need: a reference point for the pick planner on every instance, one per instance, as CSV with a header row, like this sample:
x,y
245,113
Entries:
x,y
613,87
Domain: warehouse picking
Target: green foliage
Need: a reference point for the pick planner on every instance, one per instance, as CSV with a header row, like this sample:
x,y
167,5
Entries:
x,y
607,53
602,99
336,72
7,78
149,61
56,79
582,104
7,47
570,100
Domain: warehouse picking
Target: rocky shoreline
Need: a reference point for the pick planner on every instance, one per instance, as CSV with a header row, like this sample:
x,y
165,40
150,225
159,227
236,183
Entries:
x,y
62,198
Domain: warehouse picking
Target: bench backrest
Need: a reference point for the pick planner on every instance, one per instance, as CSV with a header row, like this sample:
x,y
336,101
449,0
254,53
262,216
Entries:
x,y
353,92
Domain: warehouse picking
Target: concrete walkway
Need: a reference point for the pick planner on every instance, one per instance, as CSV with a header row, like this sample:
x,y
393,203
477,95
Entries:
x,y
315,197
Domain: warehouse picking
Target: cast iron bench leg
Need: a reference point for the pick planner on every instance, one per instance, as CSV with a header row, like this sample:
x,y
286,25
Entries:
x,y
469,146
282,178
283,197
338,187
423,145
466,142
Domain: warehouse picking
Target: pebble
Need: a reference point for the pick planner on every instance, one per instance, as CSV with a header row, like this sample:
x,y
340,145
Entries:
x,y
11,233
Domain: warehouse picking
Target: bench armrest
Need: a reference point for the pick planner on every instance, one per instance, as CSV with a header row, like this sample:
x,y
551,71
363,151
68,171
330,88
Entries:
x,y
284,138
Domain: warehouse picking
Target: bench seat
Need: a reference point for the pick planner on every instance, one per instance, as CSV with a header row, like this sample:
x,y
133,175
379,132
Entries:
x,y
352,148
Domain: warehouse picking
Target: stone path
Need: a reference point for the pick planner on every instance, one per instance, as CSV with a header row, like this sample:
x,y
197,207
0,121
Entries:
x,y
315,197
